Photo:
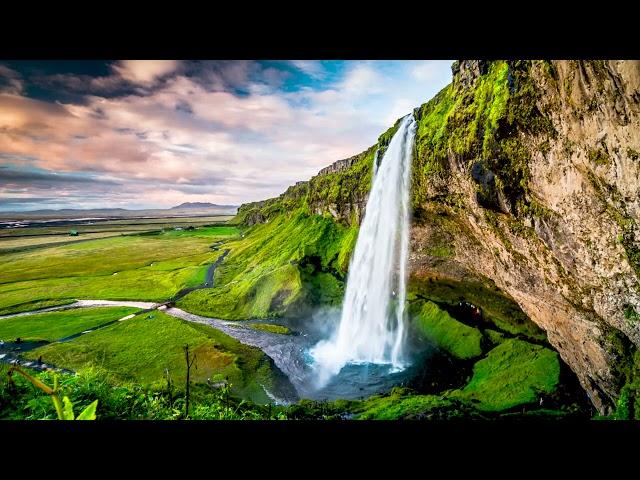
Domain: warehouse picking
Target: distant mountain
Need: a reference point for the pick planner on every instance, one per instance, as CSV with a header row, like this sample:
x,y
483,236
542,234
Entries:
x,y
202,205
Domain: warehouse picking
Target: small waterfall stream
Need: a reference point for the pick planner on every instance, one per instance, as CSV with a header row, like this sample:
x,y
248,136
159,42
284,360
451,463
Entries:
x,y
372,323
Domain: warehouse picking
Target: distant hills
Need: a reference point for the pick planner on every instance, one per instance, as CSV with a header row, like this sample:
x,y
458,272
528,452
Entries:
x,y
182,210
202,205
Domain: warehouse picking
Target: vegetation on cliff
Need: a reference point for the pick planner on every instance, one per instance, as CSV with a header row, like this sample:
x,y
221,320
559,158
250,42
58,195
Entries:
x,y
270,267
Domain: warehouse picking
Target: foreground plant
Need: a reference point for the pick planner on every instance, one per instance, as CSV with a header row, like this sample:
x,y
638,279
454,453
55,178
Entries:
x,y
64,408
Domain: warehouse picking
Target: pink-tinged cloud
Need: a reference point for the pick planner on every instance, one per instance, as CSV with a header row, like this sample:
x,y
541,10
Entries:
x,y
10,81
145,72
187,139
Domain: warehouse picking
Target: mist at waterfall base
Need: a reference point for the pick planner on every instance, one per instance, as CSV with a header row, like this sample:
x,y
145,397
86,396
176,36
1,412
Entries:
x,y
372,327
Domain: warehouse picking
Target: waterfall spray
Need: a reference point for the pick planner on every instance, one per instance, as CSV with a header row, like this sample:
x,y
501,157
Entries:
x,y
372,324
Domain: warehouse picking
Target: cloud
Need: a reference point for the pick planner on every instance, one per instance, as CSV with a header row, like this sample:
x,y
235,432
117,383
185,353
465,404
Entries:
x,y
10,81
145,72
425,70
10,201
225,132
12,177
362,79
84,84
313,68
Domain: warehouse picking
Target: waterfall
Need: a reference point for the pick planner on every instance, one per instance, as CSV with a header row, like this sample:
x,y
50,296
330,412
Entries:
x,y
372,323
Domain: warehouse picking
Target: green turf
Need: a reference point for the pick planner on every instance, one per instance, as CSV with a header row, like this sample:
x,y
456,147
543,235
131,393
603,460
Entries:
x,y
264,273
268,327
140,349
439,327
150,268
514,373
53,326
396,406
35,305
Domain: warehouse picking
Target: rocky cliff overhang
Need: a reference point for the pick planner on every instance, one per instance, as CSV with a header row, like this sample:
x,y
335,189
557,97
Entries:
x,y
529,172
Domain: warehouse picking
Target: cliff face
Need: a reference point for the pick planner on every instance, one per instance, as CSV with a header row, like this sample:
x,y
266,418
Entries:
x,y
526,177
545,205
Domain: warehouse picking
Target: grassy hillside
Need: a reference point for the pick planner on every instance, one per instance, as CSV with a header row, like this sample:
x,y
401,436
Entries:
x,y
277,265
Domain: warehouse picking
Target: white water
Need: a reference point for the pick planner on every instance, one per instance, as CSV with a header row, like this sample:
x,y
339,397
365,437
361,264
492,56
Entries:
x,y
372,324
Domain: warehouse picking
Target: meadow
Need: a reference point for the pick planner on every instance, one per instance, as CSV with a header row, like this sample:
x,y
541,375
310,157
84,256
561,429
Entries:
x,y
52,326
16,239
148,347
152,266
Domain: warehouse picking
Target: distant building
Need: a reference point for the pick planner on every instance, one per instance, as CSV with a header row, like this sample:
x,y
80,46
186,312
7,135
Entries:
x,y
73,233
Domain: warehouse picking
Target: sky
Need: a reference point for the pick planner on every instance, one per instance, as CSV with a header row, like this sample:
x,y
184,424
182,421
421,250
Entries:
x,y
156,133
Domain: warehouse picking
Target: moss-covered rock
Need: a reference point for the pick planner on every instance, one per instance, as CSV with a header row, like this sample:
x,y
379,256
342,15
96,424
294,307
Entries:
x,y
458,339
398,405
514,373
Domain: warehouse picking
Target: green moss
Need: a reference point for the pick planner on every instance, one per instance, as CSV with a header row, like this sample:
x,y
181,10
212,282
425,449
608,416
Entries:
x,y
385,138
345,187
630,313
534,208
499,311
271,328
633,154
493,221
439,327
628,404
495,337
442,251
321,288
396,406
599,156
512,374
483,121
625,367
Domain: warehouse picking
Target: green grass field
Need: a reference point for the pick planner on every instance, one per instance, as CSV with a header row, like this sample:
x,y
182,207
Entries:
x,y
9,244
128,224
147,267
51,326
141,348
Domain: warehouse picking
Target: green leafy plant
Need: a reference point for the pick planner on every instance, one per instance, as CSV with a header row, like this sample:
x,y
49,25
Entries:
x,y
64,407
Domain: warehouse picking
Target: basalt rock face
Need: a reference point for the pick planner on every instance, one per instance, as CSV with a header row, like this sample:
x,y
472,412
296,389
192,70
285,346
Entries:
x,y
525,177
530,172
339,165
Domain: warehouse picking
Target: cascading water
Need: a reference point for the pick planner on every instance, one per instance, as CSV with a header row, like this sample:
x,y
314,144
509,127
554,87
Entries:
x,y
372,325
